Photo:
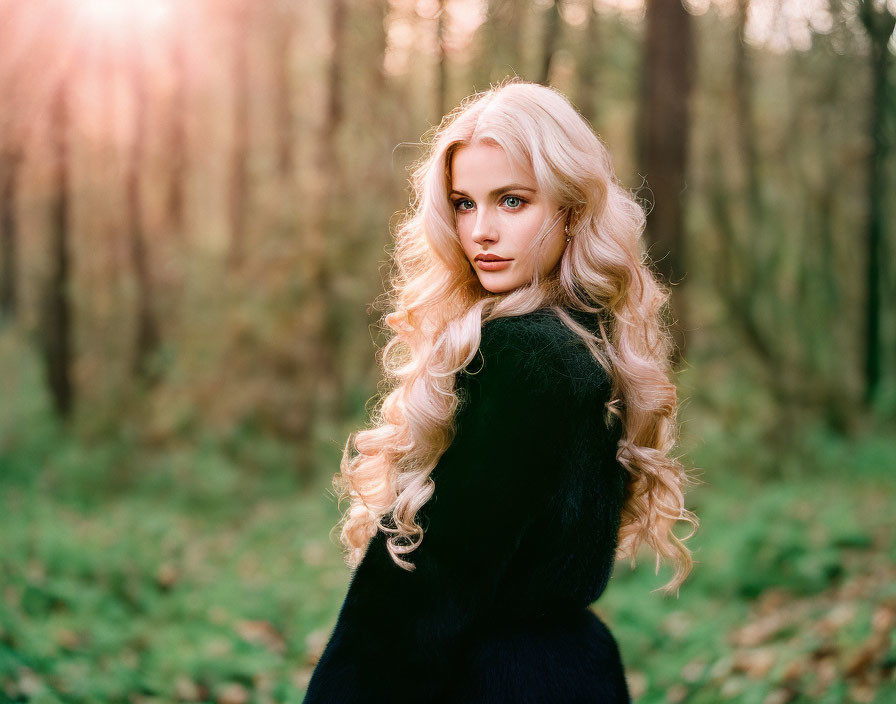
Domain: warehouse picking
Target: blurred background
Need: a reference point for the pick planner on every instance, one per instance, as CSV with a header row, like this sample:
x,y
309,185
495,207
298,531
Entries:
x,y
195,207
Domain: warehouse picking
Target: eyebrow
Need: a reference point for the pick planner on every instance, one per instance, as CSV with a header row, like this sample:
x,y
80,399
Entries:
x,y
498,191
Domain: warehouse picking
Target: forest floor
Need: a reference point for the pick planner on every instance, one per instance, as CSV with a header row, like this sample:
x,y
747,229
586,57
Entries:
x,y
186,574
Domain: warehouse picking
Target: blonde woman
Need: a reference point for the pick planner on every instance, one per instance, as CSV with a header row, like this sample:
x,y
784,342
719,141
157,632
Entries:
x,y
523,441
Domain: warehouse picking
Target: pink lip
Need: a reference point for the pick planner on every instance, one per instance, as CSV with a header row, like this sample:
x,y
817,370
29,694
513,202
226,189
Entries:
x,y
493,265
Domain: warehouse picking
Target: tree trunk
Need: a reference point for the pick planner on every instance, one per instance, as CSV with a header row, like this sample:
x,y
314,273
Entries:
x,y
321,391
177,136
282,41
665,124
56,311
442,61
10,161
239,155
549,41
879,24
743,116
147,333
588,64
500,43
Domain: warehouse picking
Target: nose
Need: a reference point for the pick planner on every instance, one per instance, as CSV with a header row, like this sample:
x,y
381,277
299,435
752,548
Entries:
x,y
483,228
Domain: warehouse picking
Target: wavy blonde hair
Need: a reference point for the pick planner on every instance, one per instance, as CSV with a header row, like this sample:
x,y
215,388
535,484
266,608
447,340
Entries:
x,y
438,307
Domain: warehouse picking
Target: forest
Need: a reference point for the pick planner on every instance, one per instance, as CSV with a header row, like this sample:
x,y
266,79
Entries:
x,y
197,205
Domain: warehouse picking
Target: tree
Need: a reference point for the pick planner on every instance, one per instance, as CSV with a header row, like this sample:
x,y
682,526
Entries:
x,y
320,383
441,60
879,24
239,150
12,139
667,78
281,55
56,319
177,134
586,98
11,156
500,42
147,337
549,41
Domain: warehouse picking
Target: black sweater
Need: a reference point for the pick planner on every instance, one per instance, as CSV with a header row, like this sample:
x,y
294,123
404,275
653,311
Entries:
x,y
519,540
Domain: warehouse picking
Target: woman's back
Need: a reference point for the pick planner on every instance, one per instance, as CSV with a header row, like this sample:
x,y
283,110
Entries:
x,y
519,539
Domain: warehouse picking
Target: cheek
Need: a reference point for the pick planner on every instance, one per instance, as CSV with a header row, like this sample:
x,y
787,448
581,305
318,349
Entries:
x,y
523,227
464,234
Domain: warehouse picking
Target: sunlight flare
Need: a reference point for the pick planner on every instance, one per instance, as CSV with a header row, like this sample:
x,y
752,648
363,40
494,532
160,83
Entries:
x,y
117,15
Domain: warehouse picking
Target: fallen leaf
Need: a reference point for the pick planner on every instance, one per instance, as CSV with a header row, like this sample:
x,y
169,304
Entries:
x,y
233,693
262,633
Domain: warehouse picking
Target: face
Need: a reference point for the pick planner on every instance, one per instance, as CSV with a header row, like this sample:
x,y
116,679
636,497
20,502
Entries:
x,y
499,213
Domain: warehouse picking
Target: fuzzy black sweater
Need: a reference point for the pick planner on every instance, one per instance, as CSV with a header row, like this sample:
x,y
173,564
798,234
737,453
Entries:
x,y
519,540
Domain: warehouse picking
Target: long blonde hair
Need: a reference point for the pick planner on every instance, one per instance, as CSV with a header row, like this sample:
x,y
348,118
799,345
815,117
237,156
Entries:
x,y
438,308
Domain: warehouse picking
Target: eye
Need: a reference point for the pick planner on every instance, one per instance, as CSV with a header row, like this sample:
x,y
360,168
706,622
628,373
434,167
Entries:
x,y
514,202
459,203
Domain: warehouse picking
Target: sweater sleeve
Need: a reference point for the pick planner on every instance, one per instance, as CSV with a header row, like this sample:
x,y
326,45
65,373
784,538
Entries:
x,y
399,634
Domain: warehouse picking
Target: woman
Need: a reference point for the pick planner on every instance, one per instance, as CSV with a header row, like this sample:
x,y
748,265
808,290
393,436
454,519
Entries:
x,y
524,442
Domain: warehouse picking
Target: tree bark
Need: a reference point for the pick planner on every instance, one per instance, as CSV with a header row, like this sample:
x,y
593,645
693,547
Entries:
x,y
56,319
549,41
500,44
667,78
282,42
177,136
239,155
10,162
588,65
147,333
743,115
879,24
442,61
321,389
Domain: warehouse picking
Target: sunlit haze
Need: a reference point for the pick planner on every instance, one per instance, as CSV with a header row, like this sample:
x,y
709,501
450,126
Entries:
x,y
117,15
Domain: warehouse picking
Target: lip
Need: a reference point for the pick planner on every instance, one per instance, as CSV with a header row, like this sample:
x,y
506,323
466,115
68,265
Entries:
x,y
493,264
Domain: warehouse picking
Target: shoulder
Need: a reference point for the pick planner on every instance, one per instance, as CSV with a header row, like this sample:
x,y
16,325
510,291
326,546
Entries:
x,y
538,326
538,350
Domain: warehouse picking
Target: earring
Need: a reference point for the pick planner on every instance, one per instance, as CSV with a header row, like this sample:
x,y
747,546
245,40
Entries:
x,y
566,230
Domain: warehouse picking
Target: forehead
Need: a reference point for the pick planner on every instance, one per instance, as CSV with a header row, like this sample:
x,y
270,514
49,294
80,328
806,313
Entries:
x,y
486,166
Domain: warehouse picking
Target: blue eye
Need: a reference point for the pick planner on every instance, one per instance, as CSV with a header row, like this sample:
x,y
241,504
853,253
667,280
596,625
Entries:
x,y
512,202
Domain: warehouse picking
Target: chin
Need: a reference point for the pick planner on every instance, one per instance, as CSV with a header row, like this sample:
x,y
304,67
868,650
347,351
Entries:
x,y
496,287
